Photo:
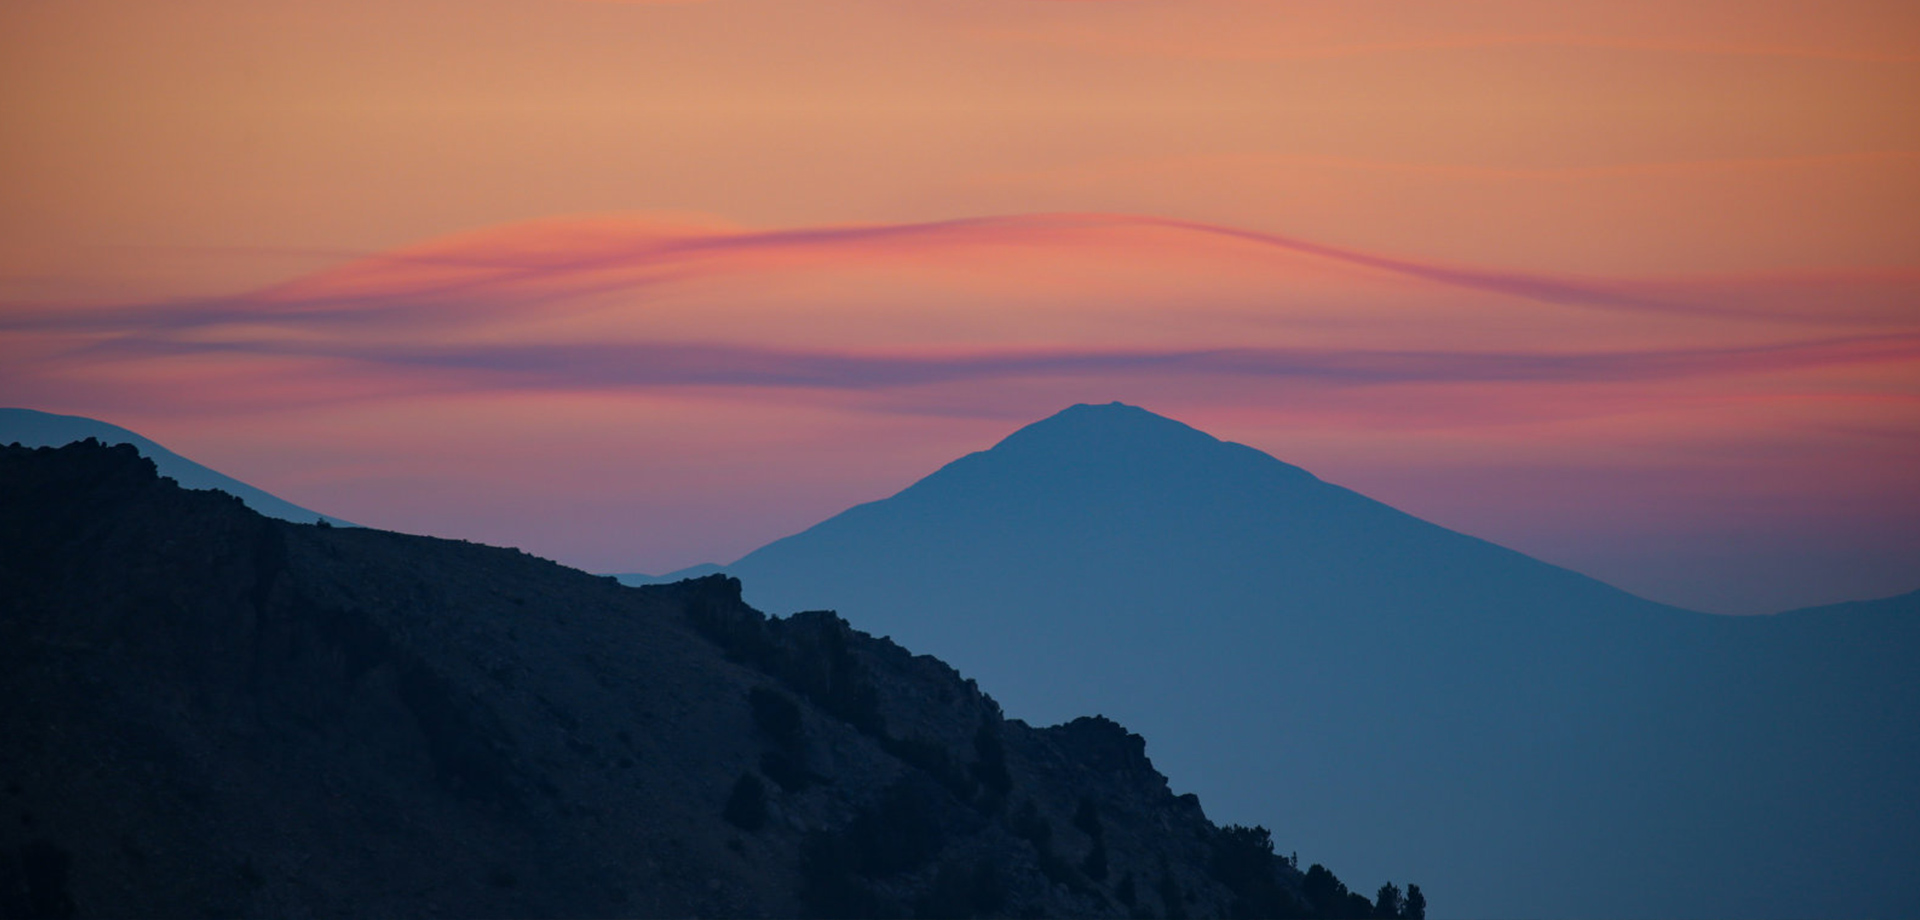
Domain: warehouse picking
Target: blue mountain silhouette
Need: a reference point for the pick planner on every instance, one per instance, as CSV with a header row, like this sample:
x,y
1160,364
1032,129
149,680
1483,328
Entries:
x,y
1391,696
45,429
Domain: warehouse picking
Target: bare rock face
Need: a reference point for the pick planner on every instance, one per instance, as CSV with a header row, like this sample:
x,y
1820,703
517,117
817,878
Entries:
x,y
210,713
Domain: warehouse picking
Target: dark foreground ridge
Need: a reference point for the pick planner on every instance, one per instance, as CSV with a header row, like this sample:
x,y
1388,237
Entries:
x,y
212,713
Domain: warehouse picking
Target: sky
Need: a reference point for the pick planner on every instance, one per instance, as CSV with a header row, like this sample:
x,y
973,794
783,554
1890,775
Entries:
x,y
1631,287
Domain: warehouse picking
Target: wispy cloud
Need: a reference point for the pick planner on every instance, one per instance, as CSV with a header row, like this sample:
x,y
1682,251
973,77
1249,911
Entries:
x,y
586,365
554,260
596,304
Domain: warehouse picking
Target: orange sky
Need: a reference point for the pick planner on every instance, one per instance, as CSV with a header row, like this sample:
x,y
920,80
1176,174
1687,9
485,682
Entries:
x,y
1631,286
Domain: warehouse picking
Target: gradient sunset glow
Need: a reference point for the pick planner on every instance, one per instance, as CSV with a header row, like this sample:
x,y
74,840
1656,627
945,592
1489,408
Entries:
x,y
1632,287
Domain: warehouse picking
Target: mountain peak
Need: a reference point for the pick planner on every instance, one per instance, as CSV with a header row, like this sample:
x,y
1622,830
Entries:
x,y
1115,441
1108,427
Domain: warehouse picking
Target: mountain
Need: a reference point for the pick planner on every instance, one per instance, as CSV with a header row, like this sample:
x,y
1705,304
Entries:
x,y
1524,739
44,429
637,579
208,712
1894,608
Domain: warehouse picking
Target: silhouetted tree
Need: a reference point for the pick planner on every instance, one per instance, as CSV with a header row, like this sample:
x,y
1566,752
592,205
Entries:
x,y
1243,861
1326,894
1357,908
1241,855
1387,905
1416,906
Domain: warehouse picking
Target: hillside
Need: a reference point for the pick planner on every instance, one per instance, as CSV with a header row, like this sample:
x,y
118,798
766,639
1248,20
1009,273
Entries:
x,y
213,713
1408,699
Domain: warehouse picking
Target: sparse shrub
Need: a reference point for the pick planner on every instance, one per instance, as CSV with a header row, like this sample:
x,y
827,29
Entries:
x,y
778,717
1173,898
854,702
1031,826
249,874
1095,865
990,765
899,835
958,891
933,760
989,893
747,805
1057,870
1087,818
829,885
787,771
44,866
946,897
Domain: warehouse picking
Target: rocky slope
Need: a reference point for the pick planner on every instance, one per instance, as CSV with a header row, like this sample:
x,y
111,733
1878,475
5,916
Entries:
x,y
212,713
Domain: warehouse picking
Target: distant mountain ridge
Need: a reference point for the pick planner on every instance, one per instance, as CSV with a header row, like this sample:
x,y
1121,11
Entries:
x,y
637,579
1899,605
33,428
1527,739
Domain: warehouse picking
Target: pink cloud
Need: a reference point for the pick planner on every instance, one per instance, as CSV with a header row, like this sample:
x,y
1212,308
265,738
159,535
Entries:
x,y
558,259
626,305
